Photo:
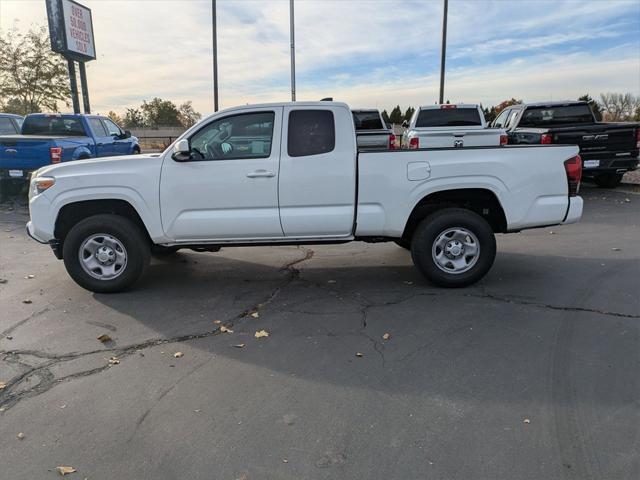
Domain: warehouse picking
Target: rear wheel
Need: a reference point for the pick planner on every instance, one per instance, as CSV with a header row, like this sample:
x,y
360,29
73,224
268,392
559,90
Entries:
x,y
105,253
453,247
608,180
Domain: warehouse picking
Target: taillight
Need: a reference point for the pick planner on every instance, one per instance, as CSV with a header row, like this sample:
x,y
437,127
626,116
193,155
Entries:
x,y
55,154
447,105
414,143
638,138
573,168
392,141
504,139
545,138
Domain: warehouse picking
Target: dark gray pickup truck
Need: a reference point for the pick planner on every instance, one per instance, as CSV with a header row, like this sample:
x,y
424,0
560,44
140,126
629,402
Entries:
x,y
608,150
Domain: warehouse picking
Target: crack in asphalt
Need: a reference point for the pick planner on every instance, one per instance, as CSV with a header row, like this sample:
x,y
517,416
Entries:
x,y
9,397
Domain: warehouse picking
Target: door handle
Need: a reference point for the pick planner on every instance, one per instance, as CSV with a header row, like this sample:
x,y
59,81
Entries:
x,y
260,173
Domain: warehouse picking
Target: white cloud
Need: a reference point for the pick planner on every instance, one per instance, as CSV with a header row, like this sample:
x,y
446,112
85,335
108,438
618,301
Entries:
x,y
352,50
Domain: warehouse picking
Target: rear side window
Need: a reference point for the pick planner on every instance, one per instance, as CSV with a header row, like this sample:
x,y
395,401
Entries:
x,y
367,120
6,127
561,115
448,117
96,126
311,132
63,126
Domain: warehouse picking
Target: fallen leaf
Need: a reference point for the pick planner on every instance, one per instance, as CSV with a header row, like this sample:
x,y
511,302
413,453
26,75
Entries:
x,y
552,232
62,470
527,421
406,282
178,354
217,322
616,249
3,280
255,314
239,345
359,354
30,276
3,385
627,200
224,329
331,281
27,301
261,334
21,436
114,361
284,460
104,338
386,336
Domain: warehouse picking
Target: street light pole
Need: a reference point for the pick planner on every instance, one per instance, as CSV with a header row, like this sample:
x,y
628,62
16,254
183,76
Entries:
x,y
215,55
293,52
444,50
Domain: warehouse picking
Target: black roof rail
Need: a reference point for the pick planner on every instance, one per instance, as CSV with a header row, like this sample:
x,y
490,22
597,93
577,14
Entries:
x,y
327,99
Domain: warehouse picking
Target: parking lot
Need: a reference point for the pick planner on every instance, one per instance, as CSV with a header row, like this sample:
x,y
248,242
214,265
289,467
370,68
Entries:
x,y
367,372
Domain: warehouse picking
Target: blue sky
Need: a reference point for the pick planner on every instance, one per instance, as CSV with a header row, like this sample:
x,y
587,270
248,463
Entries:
x,y
366,52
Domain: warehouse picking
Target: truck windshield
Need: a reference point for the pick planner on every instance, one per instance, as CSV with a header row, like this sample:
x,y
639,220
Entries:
x,y
448,117
560,115
367,120
52,125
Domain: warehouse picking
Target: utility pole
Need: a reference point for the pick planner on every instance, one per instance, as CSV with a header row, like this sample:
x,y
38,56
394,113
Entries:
x,y
73,81
444,50
293,52
84,88
215,55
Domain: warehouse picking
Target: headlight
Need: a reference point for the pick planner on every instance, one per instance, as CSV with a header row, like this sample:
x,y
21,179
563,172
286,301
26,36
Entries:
x,y
40,184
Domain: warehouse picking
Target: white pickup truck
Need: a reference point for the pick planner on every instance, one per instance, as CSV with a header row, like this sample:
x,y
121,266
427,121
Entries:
x,y
290,174
451,125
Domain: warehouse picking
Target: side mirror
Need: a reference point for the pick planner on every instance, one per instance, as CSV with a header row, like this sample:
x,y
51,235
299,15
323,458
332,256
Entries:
x,y
181,151
127,134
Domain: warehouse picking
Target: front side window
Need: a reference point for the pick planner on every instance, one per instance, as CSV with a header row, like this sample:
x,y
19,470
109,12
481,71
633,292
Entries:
x,y
501,120
112,128
311,132
246,135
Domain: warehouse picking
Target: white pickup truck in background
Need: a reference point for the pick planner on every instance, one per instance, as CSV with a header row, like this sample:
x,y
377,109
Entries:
x,y
371,131
451,125
290,174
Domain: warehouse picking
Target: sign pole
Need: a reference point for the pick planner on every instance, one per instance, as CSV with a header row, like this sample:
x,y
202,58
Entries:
x,y
214,24
444,50
74,85
293,52
85,89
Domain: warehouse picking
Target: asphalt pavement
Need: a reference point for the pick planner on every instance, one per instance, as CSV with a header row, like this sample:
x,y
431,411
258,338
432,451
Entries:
x,y
367,372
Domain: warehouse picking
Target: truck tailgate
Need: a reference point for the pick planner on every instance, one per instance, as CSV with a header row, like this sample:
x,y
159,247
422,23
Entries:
x,y
598,137
436,138
28,152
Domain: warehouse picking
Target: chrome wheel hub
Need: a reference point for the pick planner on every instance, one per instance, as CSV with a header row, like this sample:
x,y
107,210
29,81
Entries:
x,y
456,250
103,256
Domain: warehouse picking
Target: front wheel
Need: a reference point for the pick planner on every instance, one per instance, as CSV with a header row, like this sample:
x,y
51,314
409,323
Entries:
x,y
105,253
453,247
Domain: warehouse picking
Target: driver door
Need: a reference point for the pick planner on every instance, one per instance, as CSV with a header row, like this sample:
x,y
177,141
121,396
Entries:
x,y
228,190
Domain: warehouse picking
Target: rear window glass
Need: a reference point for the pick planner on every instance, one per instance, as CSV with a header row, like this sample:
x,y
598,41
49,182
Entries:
x,y
367,120
6,126
311,132
64,126
448,117
546,116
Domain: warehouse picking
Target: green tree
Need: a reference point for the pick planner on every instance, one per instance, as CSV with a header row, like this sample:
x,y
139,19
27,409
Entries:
x,y
385,116
507,103
133,118
396,115
160,113
32,77
187,115
595,106
409,113
115,118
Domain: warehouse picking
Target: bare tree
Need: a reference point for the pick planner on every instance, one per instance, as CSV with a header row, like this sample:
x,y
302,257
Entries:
x,y
619,106
32,77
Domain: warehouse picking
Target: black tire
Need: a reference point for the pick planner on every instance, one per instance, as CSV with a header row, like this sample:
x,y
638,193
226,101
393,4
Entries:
x,y
434,227
608,180
136,150
124,231
403,243
162,251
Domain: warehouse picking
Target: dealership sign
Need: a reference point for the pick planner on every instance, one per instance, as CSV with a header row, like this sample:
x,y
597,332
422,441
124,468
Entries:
x,y
71,30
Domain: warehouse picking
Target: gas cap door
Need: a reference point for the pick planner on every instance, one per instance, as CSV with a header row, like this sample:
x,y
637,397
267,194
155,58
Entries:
x,y
418,171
